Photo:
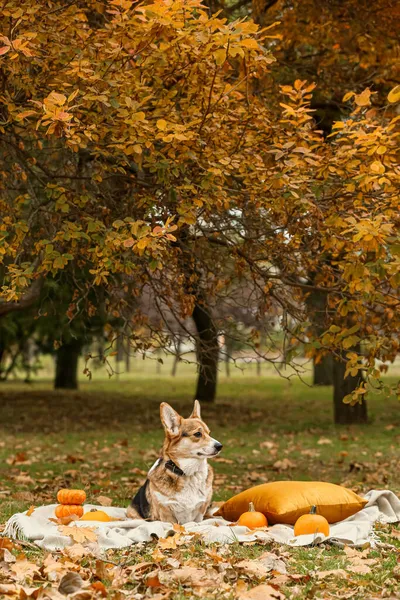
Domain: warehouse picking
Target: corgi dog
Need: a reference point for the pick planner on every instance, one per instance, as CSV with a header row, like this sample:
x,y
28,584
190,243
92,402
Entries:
x,y
178,488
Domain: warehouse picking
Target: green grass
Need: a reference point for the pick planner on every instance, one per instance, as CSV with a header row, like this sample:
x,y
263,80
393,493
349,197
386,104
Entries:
x,y
105,437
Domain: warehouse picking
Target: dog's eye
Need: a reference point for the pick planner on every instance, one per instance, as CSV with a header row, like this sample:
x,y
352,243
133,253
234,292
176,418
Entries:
x,y
185,434
198,434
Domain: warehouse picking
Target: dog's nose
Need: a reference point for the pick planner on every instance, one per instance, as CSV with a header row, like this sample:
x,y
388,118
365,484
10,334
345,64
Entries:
x,y
218,446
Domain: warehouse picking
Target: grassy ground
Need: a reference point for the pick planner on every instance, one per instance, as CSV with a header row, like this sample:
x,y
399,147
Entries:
x,y
105,437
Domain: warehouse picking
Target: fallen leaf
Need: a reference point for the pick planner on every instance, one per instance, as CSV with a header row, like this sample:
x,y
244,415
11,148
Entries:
x,y
104,501
192,576
332,572
8,589
6,556
168,543
70,583
324,441
262,592
152,579
76,552
260,567
283,465
268,445
100,587
30,511
24,569
6,542
79,534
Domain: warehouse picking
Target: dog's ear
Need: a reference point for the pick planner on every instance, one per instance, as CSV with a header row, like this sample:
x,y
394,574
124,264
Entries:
x,y
170,418
196,412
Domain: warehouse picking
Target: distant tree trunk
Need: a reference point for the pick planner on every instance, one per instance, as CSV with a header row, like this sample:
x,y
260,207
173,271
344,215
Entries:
x,y
2,355
67,365
176,356
127,358
228,354
323,370
346,414
207,353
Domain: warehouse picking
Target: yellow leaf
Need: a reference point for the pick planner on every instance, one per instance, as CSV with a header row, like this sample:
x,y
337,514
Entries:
x,y
381,150
161,124
249,43
363,99
394,94
220,56
30,511
348,96
73,95
142,243
377,167
58,99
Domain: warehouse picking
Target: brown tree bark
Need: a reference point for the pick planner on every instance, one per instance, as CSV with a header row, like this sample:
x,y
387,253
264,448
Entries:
x,y
345,414
207,353
323,370
67,365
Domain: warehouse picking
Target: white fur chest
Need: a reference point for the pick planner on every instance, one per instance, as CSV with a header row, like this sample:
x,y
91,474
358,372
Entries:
x,y
188,504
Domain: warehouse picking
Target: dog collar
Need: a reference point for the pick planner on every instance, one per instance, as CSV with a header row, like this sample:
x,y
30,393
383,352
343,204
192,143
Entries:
x,y
171,466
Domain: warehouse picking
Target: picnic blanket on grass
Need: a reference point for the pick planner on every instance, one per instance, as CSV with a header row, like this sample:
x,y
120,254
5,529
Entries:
x,y
383,506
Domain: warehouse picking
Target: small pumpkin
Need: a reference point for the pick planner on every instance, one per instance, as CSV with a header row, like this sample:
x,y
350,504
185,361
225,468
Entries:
x,y
311,523
66,496
96,515
66,510
253,519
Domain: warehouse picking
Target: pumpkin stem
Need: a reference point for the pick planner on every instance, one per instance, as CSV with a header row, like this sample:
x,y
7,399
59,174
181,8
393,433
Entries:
x,y
313,510
251,507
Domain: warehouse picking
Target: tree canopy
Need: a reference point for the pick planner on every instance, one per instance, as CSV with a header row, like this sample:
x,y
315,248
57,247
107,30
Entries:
x,y
152,145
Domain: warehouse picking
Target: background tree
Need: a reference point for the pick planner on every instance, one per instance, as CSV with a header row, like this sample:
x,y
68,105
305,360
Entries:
x,y
192,175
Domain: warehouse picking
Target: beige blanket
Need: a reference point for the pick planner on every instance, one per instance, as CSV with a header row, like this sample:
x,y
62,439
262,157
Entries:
x,y
357,530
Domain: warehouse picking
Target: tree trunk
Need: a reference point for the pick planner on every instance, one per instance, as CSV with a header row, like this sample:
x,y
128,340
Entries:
x,y
2,356
207,353
177,356
317,309
346,414
128,357
67,365
323,370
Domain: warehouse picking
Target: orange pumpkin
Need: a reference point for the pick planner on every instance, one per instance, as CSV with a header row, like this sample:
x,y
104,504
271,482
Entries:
x,y
66,510
96,515
311,523
66,496
253,519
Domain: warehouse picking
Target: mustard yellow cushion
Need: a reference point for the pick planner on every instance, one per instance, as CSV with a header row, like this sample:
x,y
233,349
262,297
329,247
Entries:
x,y
286,501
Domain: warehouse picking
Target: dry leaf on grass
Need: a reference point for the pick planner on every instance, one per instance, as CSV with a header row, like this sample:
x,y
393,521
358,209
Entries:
x,y
359,563
76,552
6,556
79,534
6,542
24,569
104,501
283,465
262,566
332,572
324,441
261,592
8,588
192,576
98,586
168,543
70,583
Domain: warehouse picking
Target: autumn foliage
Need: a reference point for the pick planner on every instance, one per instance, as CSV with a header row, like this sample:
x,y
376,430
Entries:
x,y
145,145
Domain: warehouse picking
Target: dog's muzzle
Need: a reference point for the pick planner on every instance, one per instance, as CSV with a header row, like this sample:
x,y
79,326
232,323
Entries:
x,y
218,447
